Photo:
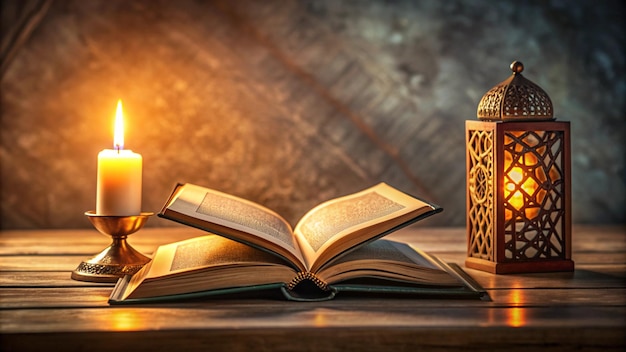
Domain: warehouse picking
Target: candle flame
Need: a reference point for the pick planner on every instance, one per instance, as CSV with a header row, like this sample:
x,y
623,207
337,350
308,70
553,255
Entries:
x,y
118,136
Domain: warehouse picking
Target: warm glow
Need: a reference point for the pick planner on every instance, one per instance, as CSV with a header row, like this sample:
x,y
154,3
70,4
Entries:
x,y
118,137
125,320
320,319
516,316
516,175
519,186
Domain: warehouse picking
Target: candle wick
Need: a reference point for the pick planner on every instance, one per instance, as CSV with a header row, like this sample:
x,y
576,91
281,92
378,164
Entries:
x,y
118,147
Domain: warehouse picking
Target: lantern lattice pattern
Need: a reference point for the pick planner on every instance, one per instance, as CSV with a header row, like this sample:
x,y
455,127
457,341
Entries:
x,y
481,198
533,198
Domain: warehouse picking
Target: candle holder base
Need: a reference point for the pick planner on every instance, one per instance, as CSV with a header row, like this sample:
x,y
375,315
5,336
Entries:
x,y
119,258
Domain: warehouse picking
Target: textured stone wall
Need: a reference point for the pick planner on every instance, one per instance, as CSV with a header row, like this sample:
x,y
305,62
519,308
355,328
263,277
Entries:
x,y
289,103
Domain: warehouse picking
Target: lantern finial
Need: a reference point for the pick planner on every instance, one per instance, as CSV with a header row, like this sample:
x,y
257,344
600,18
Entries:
x,y
515,99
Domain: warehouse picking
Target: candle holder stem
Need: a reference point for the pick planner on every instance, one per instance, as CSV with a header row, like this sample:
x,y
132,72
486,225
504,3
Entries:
x,y
119,258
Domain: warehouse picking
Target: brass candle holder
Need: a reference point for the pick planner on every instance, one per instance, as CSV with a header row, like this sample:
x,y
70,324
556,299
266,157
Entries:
x,y
118,259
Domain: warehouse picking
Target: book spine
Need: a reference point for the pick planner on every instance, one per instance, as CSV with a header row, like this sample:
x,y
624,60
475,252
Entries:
x,y
302,276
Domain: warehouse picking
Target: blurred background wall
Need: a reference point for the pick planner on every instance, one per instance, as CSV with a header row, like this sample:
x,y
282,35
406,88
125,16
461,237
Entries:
x,y
289,103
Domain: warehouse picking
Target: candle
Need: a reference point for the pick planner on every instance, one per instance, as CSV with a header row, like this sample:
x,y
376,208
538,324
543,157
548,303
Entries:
x,y
119,176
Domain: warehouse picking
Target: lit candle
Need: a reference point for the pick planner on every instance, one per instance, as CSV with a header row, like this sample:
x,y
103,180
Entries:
x,y
119,176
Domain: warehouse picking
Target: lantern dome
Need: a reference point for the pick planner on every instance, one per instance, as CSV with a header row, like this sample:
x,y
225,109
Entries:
x,y
515,99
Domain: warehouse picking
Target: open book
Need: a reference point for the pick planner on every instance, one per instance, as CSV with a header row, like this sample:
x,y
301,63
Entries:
x,y
333,248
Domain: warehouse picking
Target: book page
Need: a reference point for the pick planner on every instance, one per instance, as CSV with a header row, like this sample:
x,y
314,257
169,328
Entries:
x,y
235,218
388,250
200,252
386,259
342,223
207,262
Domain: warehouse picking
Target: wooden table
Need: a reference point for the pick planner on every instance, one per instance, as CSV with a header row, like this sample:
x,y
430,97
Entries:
x,y
43,309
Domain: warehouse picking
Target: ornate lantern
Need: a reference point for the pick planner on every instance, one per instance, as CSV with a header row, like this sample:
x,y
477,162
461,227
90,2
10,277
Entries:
x,y
518,181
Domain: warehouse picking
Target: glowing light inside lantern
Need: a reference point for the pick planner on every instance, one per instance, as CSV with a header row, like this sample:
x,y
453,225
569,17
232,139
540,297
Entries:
x,y
517,199
520,188
118,136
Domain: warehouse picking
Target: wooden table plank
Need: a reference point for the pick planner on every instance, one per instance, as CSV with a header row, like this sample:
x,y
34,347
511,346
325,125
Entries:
x,y
244,327
93,297
293,315
37,298
393,338
57,279
40,263
86,242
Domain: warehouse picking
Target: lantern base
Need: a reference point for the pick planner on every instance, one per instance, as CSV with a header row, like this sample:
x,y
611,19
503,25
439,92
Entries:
x,y
520,266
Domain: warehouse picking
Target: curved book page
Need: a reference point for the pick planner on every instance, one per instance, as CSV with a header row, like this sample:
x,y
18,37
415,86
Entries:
x,y
202,264
341,224
235,218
